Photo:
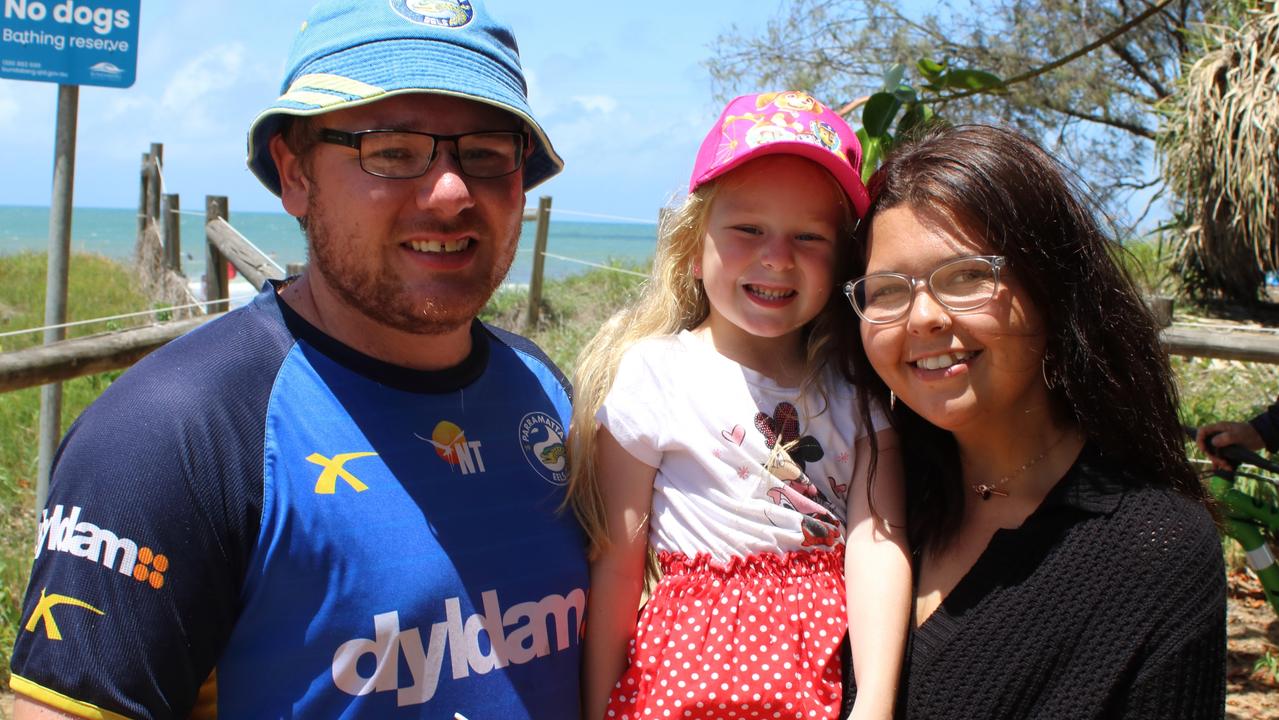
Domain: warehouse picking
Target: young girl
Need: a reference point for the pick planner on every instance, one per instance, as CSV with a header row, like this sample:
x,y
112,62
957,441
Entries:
x,y
715,427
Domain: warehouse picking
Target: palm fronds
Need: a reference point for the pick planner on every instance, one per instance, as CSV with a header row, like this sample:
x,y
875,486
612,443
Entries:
x,y
1219,150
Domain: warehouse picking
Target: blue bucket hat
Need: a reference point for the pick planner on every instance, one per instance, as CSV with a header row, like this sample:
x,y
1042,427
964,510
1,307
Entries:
x,y
354,52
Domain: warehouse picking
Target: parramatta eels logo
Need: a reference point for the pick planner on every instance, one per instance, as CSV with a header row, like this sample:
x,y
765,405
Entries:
x,y
542,438
440,13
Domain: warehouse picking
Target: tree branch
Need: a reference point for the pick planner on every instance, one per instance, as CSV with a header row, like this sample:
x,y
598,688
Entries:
x,y
1053,65
1100,120
1137,69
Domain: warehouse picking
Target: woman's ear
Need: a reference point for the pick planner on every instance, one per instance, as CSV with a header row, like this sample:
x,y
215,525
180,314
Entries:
x,y
295,185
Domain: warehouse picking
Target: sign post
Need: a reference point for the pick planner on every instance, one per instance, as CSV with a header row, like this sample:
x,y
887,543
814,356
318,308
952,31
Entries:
x,y
72,43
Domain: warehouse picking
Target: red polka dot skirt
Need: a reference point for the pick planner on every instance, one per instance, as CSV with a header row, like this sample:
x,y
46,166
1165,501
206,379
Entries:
x,y
756,639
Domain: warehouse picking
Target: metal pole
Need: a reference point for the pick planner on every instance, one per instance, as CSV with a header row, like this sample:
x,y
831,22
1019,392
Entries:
x,y
539,260
55,295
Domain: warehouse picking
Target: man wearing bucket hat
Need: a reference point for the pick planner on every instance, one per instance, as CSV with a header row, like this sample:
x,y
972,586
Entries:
x,y
341,499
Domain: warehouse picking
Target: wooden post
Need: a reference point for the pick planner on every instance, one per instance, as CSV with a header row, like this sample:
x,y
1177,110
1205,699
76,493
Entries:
x,y
171,228
252,264
539,261
216,283
155,184
143,182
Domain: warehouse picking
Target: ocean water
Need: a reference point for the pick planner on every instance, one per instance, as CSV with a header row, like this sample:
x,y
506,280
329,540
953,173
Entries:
x,y
113,232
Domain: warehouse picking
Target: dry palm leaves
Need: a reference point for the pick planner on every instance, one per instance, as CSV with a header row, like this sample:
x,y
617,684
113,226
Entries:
x,y
1220,156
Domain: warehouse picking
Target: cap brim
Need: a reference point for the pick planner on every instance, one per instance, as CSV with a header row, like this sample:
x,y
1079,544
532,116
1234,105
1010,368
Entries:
x,y
844,173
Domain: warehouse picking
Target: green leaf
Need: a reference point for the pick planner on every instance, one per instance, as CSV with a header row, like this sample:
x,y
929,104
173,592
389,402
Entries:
x,y
878,113
916,115
930,69
893,77
872,154
906,94
964,79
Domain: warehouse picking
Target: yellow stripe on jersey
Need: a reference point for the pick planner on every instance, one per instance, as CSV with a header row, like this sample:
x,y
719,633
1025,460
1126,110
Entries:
x,y
58,701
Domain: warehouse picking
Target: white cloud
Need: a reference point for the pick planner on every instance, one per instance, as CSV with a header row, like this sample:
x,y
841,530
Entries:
x,y
597,103
8,106
193,84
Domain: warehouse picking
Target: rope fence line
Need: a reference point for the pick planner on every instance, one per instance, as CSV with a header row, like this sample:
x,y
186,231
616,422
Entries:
x,y
604,216
595,265
1226,327
140,313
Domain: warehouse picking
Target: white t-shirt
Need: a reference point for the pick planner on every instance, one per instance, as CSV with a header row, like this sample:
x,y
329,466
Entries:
x,y
709,425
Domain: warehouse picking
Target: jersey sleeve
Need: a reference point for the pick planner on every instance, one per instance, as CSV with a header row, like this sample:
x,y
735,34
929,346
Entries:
x,y
1267,426
634,412
155,501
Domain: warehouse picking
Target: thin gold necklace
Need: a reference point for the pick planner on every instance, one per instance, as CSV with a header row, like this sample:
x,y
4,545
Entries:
x,y
987,490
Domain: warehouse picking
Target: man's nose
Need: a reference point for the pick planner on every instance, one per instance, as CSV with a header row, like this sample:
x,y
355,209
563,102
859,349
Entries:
x,y
444,188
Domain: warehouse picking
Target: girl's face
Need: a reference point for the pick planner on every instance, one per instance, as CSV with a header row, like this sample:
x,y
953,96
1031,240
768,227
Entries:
x,y
768,257
958,370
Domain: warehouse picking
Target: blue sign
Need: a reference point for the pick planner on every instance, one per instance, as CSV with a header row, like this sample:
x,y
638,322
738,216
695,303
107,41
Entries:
x,y
70,42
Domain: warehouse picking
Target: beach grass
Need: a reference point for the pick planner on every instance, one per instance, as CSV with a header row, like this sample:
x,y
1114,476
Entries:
x,y
572,309
96,287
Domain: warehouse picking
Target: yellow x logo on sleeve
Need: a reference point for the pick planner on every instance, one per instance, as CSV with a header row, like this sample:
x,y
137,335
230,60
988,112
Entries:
x,y
44,610
327,484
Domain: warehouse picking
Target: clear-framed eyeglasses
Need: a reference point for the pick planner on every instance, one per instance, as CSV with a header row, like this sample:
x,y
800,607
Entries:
x,y
403,154
964,283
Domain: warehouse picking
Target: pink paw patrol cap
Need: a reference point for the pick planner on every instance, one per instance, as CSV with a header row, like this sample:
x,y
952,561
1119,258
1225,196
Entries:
x,y
790,123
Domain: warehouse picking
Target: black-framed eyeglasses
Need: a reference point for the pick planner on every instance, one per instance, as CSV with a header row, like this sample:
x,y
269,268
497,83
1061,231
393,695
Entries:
x,y
964,283
403,154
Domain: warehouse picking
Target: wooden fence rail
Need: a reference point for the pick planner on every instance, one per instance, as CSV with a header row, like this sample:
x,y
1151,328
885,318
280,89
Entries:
x,y
70,359
111,351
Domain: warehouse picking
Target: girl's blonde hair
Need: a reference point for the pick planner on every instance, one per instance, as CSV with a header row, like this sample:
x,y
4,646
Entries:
x,y
672,300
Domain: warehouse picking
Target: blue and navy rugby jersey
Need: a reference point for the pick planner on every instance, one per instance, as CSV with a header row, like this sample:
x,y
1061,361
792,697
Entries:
x,y
257,521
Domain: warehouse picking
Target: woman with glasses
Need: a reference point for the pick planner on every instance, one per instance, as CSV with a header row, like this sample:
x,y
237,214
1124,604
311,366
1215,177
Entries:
x,y
1066,565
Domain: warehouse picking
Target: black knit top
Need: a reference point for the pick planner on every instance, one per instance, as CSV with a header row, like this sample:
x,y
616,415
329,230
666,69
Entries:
x,y
1108,602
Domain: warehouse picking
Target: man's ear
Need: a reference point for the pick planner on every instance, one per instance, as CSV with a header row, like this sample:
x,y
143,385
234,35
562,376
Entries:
x,y
295,186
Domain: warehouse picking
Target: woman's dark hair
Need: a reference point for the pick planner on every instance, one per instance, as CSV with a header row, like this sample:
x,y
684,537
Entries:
x,y
1103,361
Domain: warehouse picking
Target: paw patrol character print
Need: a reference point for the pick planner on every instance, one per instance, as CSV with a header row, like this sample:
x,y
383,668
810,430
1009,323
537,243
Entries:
x,y
766,132
440,13
824,134
791,101
778,119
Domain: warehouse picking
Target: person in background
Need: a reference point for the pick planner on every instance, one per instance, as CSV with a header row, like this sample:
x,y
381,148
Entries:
x,y
1261,432
341,500
1066,564
716,429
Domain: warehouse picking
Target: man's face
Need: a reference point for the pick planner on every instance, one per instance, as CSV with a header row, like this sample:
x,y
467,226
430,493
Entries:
x,y
421,255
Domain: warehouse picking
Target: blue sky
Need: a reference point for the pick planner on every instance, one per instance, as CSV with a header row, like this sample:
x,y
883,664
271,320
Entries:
x,y
619,86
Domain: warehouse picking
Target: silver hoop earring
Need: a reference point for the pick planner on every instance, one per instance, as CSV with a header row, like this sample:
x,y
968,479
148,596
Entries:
x,y
1043,370
892,400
